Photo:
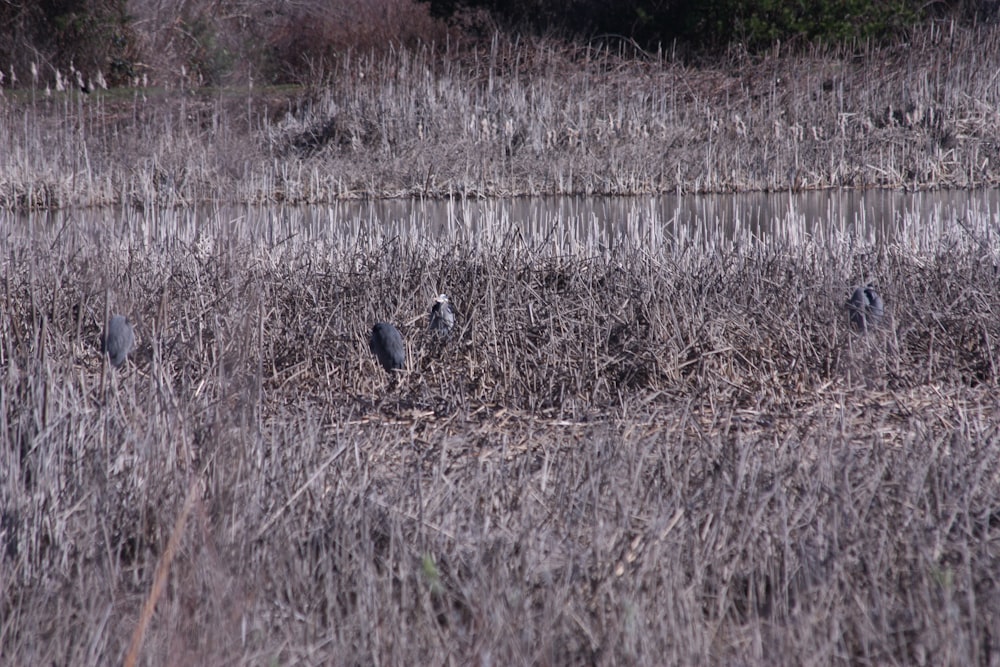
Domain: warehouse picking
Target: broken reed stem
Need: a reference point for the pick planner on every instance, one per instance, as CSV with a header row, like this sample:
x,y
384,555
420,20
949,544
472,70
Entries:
x,y
160,580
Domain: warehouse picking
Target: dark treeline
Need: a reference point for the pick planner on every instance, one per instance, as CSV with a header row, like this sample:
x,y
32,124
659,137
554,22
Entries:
x,y
225,42
68,35
711,25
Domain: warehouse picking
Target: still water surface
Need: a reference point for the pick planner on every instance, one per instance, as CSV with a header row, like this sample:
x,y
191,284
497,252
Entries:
x,y
874,216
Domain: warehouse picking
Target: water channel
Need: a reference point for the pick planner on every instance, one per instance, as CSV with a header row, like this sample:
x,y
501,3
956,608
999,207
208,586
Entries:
x,y
588,224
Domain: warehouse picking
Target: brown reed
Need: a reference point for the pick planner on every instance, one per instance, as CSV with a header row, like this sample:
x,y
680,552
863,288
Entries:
x,y
525,118
653,456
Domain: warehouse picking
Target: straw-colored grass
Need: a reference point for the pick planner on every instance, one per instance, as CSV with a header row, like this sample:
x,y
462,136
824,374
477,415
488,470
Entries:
x,y
525,118
671,453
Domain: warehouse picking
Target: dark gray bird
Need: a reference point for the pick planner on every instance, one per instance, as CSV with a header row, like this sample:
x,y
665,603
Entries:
x,y
442,316
865,308
387,344
118,340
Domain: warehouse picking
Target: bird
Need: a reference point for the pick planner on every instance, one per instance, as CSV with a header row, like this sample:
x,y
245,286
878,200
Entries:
x,y
442,316
865,308
118,340
386,344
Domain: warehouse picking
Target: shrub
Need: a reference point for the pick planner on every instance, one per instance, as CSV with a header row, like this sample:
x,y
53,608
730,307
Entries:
x,y
714,23
88,35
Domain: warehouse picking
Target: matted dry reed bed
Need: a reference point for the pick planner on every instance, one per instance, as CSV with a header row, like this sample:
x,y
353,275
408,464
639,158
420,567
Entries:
x,y
657,456
534,118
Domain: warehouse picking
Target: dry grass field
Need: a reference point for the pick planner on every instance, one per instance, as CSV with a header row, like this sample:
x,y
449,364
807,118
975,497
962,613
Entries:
x,y
654,454
519,119
644,446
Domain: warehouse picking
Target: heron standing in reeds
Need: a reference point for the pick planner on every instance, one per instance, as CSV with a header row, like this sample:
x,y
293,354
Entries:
x,y
118,340
865,308
442,316
386,343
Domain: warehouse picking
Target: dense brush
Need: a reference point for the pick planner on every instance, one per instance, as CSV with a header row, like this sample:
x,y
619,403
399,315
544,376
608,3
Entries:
x,y
530,117
649,456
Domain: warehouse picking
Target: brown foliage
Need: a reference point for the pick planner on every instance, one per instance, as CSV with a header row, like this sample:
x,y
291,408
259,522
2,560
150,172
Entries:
x,y
521,119
661,455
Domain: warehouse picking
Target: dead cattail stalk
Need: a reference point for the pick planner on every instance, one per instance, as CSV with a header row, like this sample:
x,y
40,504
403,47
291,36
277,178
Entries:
x,y
160,578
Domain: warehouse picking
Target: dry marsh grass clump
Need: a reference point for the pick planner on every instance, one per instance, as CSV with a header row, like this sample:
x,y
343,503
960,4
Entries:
x,y
524,118
657,455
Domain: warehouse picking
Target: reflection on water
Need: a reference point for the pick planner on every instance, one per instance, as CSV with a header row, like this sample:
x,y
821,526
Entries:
x,y
563,223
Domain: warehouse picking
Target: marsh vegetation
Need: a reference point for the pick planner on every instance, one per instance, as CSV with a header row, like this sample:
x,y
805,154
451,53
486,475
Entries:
x,y
651,436
653,448
523,118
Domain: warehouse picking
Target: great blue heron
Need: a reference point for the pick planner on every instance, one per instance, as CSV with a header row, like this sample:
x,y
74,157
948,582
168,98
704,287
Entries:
x,y
118,340
442,316
387,344
865,308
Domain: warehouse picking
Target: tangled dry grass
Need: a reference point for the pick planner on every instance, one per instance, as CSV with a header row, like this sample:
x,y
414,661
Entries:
x,y
524,119
648,456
